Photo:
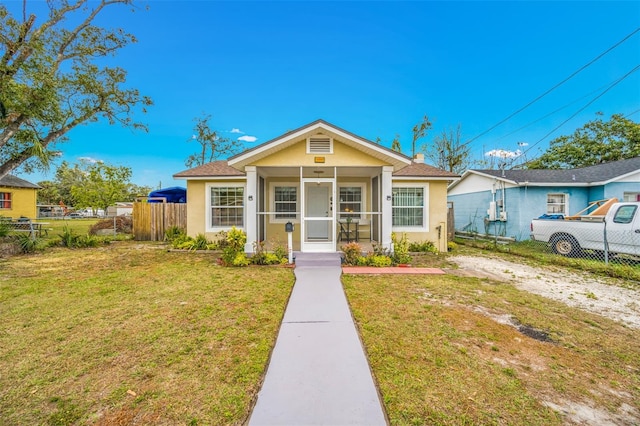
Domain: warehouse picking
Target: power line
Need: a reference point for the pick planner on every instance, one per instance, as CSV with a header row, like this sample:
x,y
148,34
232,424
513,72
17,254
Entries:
x,y
551,113
615,83
557,85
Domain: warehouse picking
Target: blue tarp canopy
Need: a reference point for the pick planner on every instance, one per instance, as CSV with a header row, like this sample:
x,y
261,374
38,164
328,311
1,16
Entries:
x,y
174,194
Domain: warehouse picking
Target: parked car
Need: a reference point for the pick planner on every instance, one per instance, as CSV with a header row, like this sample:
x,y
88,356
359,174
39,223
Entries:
x,y
618,231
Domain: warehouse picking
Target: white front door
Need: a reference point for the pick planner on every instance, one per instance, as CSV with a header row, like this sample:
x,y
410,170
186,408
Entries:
x,y
318,217
318,207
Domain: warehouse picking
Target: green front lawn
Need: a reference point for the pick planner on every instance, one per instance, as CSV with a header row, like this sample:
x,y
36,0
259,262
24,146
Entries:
x,y
131,333
442,354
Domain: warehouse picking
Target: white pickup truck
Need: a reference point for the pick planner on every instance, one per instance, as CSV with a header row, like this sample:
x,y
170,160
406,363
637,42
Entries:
x,y
621,225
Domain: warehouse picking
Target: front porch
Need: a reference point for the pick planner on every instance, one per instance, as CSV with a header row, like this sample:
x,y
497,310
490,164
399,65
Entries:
x,y
327,206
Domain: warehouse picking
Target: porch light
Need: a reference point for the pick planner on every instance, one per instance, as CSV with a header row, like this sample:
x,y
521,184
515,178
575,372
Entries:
x,y
250,197
388,197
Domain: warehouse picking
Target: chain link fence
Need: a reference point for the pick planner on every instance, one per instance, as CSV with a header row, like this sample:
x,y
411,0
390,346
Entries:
x,y
621,247
614,253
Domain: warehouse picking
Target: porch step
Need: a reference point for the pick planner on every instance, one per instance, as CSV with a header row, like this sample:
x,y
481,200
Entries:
x,y
317,259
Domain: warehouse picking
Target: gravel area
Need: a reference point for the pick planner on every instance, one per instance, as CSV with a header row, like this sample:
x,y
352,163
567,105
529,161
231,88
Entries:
x,y
581,290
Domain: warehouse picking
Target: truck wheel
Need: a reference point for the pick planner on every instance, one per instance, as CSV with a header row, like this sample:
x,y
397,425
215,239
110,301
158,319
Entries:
x,y
565,245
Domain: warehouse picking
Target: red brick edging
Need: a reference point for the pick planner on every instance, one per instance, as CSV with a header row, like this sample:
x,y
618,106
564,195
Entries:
x,y
390,270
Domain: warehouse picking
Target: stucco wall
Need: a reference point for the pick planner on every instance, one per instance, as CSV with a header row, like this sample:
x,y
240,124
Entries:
x,y
23,202
437,214
617,189
196,207
522,205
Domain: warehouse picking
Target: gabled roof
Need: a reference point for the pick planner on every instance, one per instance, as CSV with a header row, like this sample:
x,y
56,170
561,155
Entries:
x,y
600,174
398,160
215,168
11,181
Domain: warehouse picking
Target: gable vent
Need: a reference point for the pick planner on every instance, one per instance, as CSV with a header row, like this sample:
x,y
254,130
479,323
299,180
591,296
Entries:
x,y
319,145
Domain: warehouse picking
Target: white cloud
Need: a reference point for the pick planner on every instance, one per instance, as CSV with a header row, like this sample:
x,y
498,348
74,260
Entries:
x,y
235,130
501,153
247,138
90,160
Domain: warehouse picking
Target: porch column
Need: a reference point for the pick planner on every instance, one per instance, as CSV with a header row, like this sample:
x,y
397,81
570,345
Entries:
x,y
251,209
385,207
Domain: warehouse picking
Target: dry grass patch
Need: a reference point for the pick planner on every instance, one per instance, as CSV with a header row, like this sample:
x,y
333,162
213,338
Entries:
x,y
133,334
452,350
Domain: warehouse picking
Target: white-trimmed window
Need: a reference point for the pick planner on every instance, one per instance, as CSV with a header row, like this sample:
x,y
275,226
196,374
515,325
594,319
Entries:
x,y
408,207
350,201
5,200
285,202
627,196
558,204
226,206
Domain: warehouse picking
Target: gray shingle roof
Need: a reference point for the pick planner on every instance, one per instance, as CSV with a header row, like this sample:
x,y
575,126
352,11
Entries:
x,y
424,170
11,181
598,173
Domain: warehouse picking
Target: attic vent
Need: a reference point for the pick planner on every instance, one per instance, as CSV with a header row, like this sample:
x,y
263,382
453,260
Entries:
x,y
319,145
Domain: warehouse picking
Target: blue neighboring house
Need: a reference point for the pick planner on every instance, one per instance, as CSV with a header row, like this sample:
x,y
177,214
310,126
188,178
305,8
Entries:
x,y
503,202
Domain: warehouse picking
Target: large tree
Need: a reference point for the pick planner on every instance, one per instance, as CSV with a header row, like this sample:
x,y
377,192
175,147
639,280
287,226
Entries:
x,y
53,78
596,142
448,151
212,145
100,185
87,175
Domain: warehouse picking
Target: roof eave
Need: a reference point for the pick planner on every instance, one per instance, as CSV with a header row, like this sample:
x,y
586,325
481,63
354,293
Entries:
x,y
238,161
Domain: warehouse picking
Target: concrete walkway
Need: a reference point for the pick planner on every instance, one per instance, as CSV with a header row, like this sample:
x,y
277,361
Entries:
x,y
318,373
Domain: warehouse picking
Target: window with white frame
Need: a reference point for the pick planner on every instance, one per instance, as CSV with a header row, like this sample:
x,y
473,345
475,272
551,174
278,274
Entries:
x,y
631,196
285,200
350,202
227,206
5,200
408,207
557,204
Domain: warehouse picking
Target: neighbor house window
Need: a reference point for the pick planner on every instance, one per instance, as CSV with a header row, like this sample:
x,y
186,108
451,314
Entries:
x,y
350,204
408,207
286,202
631,196
557,204
227,206
5,200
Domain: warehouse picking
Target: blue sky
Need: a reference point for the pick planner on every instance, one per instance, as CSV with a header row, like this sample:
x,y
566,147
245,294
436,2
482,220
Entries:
x,y
371,67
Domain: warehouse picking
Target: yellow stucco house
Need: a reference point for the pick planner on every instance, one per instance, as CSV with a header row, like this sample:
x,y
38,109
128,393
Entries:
x,y
18,197
332,185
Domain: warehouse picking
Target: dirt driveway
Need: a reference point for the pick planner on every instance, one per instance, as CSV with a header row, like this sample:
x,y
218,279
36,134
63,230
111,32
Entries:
x,y
582,290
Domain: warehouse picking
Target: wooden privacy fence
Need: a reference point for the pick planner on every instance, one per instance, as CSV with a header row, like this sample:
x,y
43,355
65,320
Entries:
x,y
151,220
